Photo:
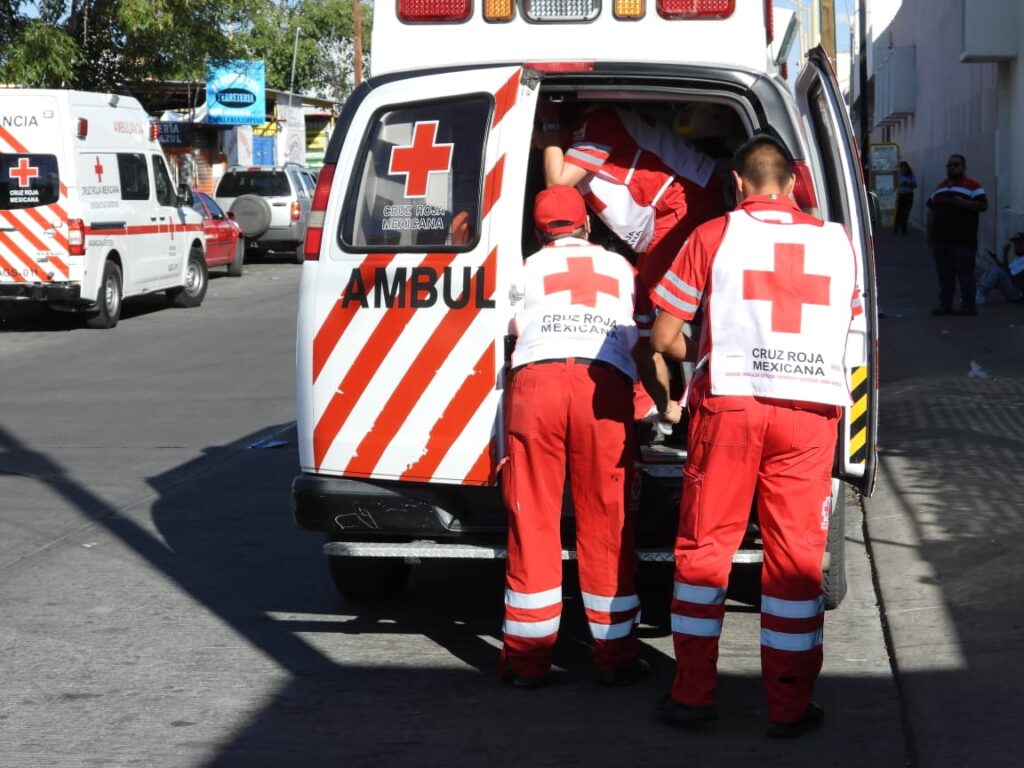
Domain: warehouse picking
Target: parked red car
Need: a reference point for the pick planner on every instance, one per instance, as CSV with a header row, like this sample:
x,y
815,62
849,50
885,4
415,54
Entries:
x,y
224,241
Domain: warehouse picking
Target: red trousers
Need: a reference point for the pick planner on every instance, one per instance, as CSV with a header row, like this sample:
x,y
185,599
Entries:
x,y
784,450
568,415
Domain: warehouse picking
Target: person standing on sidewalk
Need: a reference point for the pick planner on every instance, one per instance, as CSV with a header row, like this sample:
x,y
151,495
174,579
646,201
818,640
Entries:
x,y
570,406
779,293
953,211
905,197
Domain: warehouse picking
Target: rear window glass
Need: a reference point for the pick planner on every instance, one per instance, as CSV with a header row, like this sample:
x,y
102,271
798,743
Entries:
x,y
418,185
262,183
28,181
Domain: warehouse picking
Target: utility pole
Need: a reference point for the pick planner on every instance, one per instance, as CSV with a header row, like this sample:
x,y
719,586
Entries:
x,y
357,34
291,81
862,29
828,29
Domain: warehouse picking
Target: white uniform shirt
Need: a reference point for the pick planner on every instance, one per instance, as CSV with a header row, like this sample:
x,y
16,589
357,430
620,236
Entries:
x,y
578,303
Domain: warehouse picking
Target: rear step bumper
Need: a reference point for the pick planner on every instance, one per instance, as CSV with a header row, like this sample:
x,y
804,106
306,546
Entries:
x,y
42,291
430,550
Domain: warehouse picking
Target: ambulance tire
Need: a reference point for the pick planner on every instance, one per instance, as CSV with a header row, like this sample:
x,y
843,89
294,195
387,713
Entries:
x,y
108,300
833,580
300,255
236,266
369,578
197,279
252,213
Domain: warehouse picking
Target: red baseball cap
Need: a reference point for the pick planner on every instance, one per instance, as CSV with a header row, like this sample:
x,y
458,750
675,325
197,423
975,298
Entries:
x,y
559,210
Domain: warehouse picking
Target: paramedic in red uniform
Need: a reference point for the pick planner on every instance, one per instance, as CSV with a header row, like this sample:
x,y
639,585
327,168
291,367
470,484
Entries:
x,y
570,407
649,186
779,291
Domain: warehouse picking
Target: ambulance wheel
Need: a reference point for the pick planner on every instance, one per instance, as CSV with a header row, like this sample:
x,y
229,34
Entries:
x,y
192,293
369,578
108,301
833,577
299,256
238,260
252,213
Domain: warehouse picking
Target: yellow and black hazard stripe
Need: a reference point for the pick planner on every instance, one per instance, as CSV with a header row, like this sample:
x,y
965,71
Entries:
x,y
858,445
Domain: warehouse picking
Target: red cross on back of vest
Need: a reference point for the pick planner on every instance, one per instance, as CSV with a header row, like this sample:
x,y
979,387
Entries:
x,y
420,159
788,288
582,282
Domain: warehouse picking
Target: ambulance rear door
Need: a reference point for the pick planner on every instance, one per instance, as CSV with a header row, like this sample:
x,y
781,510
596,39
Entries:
x,y
839,180
33,196
405,302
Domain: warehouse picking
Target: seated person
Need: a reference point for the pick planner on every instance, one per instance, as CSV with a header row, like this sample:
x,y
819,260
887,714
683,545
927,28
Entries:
x,y
1007,275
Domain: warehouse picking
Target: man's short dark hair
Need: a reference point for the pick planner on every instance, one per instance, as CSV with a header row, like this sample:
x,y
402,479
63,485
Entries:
x,y
764,161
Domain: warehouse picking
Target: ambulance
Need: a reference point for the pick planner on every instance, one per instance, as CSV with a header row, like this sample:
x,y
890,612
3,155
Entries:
x,y
89,214
420,223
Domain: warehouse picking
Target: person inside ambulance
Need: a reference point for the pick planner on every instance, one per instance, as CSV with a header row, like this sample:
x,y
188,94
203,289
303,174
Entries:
x,y
778,289
570,406
649,185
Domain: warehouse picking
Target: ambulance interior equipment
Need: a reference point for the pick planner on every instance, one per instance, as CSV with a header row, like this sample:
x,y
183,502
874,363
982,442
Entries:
x,y
421,221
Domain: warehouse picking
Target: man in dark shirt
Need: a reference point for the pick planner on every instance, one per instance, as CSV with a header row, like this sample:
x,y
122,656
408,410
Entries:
x,y
953,209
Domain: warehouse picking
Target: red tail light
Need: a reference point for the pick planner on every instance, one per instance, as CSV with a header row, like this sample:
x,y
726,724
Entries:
x,y
76,237
696,9
413,11
803,186
769,21
296,211
560,66
317,214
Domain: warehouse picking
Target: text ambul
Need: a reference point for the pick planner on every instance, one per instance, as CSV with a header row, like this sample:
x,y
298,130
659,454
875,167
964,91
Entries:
x,y
417,287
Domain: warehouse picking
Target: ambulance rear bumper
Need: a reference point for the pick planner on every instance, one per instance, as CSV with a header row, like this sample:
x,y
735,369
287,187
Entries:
x,y
65,292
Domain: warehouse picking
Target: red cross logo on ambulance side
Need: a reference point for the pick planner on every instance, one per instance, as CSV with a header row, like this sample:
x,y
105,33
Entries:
x,y
23,173
417,161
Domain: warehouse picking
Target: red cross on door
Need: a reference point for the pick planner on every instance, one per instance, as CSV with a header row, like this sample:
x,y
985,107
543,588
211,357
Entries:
x,y
788,288
99,169
420,159
582,282
24,172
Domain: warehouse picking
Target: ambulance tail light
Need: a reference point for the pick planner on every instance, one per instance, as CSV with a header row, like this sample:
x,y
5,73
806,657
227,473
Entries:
x,y
560,66
803,186
76,237
561,10
626,10
499,10
696,9
435,11
317,214
296,210
769,21
82,128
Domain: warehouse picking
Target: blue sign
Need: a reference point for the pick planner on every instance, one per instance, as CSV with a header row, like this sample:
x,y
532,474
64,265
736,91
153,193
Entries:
x,y
235,93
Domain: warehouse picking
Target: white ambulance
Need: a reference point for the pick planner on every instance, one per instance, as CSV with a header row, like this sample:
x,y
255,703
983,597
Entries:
x,y
89,214
420,224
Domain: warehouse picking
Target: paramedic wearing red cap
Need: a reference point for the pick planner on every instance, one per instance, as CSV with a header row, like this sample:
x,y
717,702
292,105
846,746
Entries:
x,y
779,291
570,407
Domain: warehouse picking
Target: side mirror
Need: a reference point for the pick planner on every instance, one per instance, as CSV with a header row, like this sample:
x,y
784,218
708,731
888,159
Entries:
x,y
185,195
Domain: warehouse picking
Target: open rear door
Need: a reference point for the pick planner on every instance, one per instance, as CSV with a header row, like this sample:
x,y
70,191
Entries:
x,y
839,177
403,315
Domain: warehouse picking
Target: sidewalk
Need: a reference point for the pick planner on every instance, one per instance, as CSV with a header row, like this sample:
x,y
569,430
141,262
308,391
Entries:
x,y
946,525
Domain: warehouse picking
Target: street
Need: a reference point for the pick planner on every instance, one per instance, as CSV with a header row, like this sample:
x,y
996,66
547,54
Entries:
x,y
159,607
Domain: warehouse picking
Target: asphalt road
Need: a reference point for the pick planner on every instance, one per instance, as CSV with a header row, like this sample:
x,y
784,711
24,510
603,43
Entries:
x,y
158,606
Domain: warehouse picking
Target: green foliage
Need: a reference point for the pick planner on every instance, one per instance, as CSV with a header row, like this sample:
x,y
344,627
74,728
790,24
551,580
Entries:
x,y
103,44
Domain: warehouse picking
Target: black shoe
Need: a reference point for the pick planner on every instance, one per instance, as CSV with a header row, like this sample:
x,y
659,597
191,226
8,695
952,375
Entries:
x,y
965,312
813,718
627,674
527,682
671,711
943,311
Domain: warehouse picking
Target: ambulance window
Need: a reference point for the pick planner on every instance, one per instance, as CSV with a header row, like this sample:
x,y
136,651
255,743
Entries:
x,y
419,183
165,194
134,176
28,181
829,142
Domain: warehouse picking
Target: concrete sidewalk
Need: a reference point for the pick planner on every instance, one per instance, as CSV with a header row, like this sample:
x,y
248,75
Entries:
x,y
946,525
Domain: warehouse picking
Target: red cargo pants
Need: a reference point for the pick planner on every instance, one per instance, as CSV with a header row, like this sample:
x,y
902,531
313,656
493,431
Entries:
x,y
573,415
783,450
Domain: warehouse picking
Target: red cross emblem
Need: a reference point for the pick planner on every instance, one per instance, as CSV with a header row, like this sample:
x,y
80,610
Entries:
x,y
788,288
420,159
24,172
582,282
99,170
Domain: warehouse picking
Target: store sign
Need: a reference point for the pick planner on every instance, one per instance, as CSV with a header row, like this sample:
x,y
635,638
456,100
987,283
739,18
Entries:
x,y
236,93
175,134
